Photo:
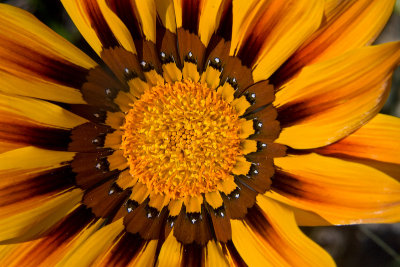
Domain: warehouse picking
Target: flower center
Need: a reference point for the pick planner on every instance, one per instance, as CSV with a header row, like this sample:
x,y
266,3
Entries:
x,y
181,139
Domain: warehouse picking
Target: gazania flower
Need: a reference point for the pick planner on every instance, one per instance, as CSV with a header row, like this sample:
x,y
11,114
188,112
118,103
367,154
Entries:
x,y
212,130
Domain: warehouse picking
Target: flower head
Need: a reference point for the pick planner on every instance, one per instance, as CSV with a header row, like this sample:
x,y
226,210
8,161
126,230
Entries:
x,y
212,130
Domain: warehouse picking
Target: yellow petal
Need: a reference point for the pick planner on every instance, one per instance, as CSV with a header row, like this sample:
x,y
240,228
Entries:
x,y
97,243
242,166
32,157
331,99
201,17
214,199
147,13
166,12
171,72
330,6
342,192
270,237
190,71
117,160
170,253
25,178
29,31
146,255
117,27
41,112
215,256
303,217
92,18
351,24
209,19
32,57
50,249
34,222
193,204
266,33
378,140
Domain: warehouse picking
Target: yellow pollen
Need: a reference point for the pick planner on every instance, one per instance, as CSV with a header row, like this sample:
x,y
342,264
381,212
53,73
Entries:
x,y
181,139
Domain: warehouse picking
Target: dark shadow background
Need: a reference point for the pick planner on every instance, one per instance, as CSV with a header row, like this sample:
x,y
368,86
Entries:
x,y
366,245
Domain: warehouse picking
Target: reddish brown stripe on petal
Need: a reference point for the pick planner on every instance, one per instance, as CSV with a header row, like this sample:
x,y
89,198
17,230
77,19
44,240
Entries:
x,y
99,24
126,11
191,15
323,39
102,203
125,250
189,42
123,63
287,184
258,34
193,227
38,184
225,26
88,137
265,123
229,249
92,168
290,114
193,255
22,59
259,177
234,71
259,95
166,43
93,114
101,89
258,223
148,56
237,202
21,131
146,221
220,224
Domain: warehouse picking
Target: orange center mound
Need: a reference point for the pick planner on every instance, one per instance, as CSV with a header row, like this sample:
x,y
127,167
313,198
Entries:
x,y
181,139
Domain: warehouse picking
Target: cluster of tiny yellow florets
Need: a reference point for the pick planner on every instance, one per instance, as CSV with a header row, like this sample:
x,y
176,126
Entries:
x,y
181,139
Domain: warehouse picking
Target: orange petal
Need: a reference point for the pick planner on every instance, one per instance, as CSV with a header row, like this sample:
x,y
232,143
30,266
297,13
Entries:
x,y
378,140
303,217
269,236
331,99
350,25
340,191
375,144
266,33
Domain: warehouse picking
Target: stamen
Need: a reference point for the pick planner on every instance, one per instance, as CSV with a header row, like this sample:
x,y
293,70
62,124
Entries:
x,y
181,139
